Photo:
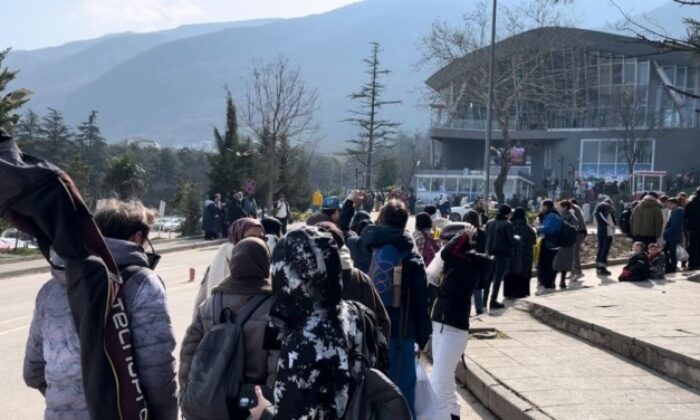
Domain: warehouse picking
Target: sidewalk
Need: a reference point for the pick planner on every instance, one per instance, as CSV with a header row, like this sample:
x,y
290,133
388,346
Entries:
x,y
39,265
598,350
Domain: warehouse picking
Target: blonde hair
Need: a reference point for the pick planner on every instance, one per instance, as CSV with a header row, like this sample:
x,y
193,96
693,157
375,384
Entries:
x,y
122,219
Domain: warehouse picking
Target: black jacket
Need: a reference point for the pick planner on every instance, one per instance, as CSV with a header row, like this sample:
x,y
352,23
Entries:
x,y
692,214
464,269
499,236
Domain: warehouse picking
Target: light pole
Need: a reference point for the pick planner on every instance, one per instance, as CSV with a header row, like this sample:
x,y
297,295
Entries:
x,y
489,110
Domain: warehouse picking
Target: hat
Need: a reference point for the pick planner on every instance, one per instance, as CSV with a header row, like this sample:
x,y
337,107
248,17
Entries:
x,y
331,203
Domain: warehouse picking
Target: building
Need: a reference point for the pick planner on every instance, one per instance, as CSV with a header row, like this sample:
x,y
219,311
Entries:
x,y
589,105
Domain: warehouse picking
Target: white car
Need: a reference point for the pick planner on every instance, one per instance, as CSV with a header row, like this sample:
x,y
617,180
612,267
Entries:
x,y
168,224
457,213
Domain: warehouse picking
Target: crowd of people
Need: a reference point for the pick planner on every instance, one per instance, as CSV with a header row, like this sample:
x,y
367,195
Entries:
x,y
318,306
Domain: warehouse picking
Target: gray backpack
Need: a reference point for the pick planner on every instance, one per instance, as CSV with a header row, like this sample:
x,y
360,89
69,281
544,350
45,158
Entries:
x,y
218,365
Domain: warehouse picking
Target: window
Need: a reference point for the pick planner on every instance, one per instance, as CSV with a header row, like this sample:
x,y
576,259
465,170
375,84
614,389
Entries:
x,y
629,72
451,185
643,73
606,159
605,71
437,184
617,71
680,76
422,184
670,72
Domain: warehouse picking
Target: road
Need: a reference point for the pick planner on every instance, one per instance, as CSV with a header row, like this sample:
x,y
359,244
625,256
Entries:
x,y
18,295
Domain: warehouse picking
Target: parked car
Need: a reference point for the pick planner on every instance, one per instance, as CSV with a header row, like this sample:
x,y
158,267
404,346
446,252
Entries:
x,y
168,224
457,213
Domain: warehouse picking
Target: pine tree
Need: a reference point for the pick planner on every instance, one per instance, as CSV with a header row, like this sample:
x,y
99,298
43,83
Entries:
x,y
374,132
90,139
125,177
188,203
7,107
27,133
232,156
59,139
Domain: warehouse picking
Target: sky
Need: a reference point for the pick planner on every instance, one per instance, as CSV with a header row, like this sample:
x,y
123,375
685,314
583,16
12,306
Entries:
x,y
31,24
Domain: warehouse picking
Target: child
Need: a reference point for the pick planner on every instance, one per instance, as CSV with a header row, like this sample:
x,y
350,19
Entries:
x,y
637,268
657,262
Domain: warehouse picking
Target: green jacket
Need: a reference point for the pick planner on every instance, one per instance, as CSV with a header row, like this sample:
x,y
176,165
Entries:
x,y
647,219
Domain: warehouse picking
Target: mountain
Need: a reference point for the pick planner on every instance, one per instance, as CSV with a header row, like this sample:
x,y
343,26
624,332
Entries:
x,y
169,86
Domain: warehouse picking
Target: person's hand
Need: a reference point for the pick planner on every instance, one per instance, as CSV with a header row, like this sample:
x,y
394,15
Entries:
x,y
356,197
257,411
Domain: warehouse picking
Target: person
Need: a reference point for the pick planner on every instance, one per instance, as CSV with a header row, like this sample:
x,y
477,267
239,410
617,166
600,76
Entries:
x,y
626,219
361,256
316,201
250,277
273,232
52,359
657,262
605,233
549,228
517,280
443,204
576,269
233,209
673,233
405,298
637,267
499,240
282,212
439,223
564,259
483,217
647,220
219,268
211,217
357,286
319,331
332,211
412,201
250,206
463,270
692,225
479,242
423,236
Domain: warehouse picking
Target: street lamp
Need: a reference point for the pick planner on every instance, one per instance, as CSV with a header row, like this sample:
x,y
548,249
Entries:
x,y
489,110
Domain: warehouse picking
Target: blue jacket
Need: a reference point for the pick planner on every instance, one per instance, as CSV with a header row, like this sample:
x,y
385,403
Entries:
x,y
674,227
550,229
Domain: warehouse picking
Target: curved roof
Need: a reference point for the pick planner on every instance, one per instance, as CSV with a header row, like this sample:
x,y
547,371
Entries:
x,y
559,38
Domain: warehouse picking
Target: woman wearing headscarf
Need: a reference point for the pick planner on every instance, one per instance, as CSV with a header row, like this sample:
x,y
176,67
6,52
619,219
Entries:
x,y
464,269
517,280
318,330
250,278
423,236
478,240
220,267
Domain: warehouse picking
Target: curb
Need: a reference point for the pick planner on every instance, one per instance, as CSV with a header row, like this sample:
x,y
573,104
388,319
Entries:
x,y
46,267
672,364
495,396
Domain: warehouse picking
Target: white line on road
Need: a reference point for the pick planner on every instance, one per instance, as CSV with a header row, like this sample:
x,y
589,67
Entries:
x,y
14,330
17,318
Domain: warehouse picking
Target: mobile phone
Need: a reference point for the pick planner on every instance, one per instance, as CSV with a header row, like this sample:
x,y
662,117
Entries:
x,y
248,399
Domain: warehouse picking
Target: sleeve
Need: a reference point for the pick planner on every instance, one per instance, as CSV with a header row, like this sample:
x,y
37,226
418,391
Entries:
x,y
420,296
153,344
34,363
509,236
346,214
658,223
193,336
370,295
550,226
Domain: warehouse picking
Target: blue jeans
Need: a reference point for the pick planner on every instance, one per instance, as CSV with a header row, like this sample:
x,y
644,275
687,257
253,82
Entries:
x,y
402,369
604,243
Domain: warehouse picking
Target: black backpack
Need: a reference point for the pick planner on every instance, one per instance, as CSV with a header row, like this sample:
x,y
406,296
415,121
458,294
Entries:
x,y
218,365
374,396
567,234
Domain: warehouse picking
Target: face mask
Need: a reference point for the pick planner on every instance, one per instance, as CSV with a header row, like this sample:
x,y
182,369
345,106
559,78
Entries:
x,y
153,257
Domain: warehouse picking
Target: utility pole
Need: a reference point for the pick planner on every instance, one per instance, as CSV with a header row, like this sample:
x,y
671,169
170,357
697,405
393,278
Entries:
x,y
489,110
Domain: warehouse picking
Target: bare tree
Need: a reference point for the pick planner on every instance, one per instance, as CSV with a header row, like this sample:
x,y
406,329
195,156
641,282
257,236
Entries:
x,y
373,131
279,108
523,71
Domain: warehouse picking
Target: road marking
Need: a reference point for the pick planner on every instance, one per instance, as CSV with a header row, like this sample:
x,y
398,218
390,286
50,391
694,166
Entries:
x,y
5,321
14,330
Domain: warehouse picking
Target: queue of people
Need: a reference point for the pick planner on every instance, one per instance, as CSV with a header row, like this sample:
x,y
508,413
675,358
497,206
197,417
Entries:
x,y
322,308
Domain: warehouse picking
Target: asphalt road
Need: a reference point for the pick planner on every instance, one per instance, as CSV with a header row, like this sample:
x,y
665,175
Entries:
x,y
18,296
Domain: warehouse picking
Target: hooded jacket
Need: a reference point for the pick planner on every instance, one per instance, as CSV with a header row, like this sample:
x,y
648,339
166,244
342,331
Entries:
x,y
318,330
499,236
250,277
647,219
673,232
52,358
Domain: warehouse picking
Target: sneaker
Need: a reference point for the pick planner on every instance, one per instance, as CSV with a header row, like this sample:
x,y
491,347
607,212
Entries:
x,y
562,285
603,271
479,312
496,305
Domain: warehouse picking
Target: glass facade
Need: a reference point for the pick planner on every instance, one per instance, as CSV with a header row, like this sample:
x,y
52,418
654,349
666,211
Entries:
x,y
606,159
589,89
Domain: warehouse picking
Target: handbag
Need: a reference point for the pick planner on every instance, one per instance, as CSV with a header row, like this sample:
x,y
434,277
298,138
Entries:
x,y
426,402
682,254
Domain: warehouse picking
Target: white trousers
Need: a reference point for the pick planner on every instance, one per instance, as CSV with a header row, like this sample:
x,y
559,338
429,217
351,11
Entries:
x,y
448,345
